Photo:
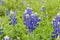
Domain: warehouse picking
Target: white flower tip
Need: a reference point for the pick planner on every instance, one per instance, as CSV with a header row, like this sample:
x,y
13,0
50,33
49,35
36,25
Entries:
x,y
29,7
18,38
53,19
58,38
43,6
27,15
39,18
11,12
32,14
36,14
58,13
25,11
52,22
59,23
6,37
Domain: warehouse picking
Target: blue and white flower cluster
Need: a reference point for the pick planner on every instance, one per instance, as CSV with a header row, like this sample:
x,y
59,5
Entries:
x,y
6,37
56,23
7,11
43,8
13,18
31,19
1,30
12,15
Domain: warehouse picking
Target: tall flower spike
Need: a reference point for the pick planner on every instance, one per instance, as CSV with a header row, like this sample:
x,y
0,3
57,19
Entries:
x,y
2,2
1,30
31,19
29,10
56,24
6,37
12,18
7,12
43,8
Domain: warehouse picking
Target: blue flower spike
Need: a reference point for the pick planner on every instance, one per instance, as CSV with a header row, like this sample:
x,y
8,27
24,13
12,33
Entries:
x,y
7,12
13,18
2,2
1,30
6,37
43,8
56,24
31,19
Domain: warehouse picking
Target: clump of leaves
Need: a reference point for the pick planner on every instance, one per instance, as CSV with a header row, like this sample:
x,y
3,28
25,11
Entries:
x,y
2,12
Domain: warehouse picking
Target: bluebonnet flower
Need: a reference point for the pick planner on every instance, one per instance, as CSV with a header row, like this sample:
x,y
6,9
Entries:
x,y
7,12
1,30
31,19
2,2
12,18
6,37
43,8
56,23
